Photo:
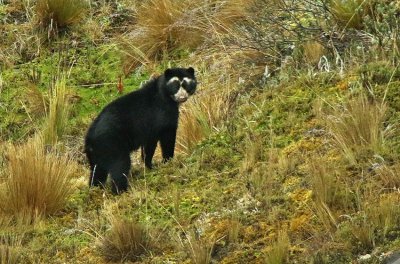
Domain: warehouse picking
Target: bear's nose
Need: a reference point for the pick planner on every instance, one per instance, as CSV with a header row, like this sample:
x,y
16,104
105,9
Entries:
x,y
182,99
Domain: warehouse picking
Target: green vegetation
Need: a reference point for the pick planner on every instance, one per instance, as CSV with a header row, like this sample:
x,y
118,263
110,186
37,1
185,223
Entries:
x,y
288,153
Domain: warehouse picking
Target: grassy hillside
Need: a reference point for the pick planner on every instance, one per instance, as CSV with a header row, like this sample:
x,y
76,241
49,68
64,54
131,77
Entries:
x,y
288,153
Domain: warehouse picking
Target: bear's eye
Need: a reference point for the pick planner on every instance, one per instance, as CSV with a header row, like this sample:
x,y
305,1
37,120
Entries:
x,y
189,86
174,85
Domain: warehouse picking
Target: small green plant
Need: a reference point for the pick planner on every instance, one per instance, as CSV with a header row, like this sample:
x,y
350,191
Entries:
x,y
57,113
37,183
127,240
56,15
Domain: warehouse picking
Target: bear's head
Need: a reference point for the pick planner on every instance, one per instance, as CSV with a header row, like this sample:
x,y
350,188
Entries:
x,y
180,83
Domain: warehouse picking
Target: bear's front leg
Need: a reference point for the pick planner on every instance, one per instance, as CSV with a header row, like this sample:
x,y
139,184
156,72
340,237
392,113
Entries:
x,y
148,152
167,142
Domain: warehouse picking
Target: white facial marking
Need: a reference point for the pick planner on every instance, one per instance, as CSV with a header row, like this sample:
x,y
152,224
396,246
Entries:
x,y
181,96
188,80
173,79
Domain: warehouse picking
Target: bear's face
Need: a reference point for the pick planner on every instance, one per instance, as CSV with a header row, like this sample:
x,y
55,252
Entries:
x,y
180,83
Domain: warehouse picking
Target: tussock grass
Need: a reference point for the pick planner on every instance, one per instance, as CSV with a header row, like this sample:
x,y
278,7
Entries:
x,y
363,230
207,109
37,183
330,193
233,230
349,13
170,27
57,113
203,115
37,102
229,13
326,184
383,212
127,240
200,250
357,125
279,251
389,175
162,27
55,15
10,248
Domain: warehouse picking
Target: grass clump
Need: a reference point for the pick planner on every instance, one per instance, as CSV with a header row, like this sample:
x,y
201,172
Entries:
x,y
57,113
10,249
357,125
349,13
200,249
127,240
163,27
279,251
37,183
204,114
56,15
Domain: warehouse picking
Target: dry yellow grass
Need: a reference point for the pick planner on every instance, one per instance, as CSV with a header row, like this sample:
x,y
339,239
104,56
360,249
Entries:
x,y
206,111
199,249
279,251
10,248
55,15
357,125
162,26
37,103
37,182
229,13
313,51
126,240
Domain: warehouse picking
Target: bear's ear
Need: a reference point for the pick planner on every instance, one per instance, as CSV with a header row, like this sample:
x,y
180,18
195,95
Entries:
x,y
191,71
168,74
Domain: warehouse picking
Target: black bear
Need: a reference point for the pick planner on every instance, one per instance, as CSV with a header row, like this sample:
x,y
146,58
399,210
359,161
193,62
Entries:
x,y
137,120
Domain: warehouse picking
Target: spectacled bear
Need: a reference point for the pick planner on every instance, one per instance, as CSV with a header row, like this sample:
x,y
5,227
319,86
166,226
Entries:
x,y
136,120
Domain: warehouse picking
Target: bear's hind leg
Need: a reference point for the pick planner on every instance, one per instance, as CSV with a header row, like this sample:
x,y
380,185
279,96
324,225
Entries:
x,y
119,171
98,176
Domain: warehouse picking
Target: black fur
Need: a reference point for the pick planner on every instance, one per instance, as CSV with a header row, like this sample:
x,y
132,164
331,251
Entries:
x,y
137,120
